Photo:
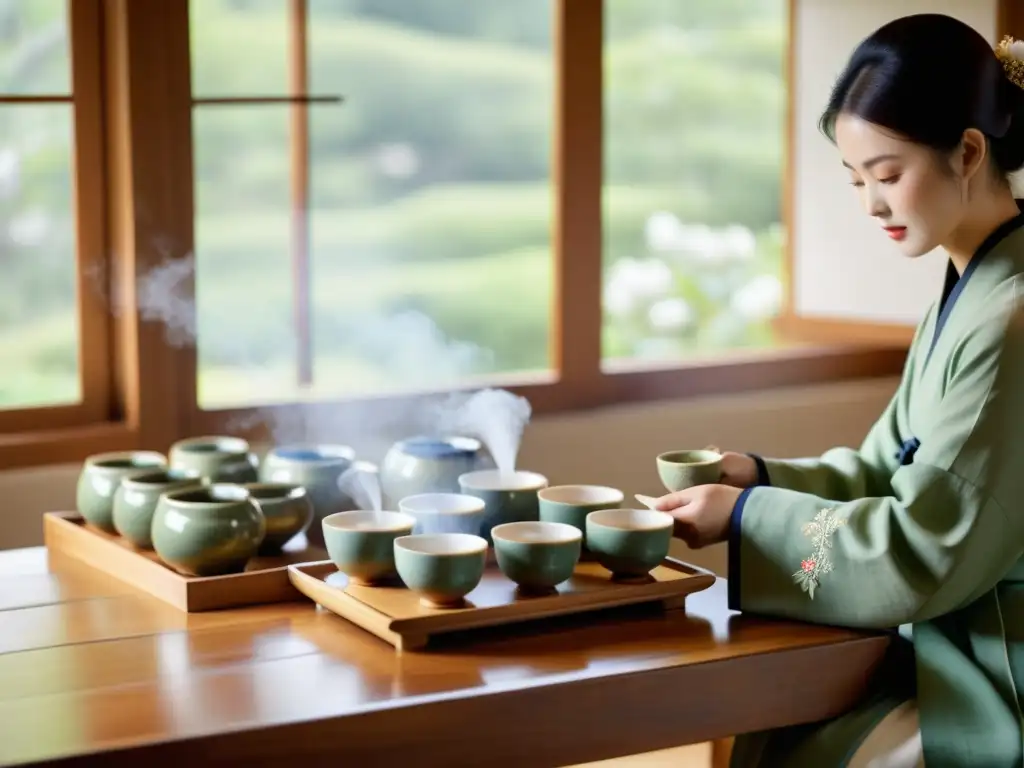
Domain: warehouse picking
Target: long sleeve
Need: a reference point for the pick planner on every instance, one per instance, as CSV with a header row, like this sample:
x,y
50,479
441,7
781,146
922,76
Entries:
x,y
844,473
947,532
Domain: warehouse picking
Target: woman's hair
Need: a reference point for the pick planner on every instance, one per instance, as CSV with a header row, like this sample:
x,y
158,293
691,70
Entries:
x,y
930,77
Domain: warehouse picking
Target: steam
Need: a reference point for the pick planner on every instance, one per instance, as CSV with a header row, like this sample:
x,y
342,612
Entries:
x,y
163,295
361,483
496,417
406,343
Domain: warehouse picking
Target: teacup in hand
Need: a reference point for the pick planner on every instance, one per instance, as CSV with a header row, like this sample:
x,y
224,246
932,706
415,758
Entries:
x,y
680,470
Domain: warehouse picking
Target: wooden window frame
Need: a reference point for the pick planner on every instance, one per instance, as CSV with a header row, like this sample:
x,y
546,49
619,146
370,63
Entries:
x,y
87,173
147,391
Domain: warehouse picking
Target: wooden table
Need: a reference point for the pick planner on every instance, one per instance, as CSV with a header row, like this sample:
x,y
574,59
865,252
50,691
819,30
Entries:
x,y
94,672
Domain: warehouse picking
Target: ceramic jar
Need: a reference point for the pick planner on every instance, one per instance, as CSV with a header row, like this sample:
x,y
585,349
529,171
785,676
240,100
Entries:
x,y
100,478
429,465
218,459
136,498
208,531
286,508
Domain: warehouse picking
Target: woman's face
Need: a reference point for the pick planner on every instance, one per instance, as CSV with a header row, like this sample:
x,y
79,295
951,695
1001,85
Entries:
x,y
903,186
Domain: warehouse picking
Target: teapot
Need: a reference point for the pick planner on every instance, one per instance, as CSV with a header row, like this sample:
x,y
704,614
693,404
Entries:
x,y
425,464
317,468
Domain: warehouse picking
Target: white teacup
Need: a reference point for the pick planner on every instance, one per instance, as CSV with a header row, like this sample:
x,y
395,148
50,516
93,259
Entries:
x,y
444,512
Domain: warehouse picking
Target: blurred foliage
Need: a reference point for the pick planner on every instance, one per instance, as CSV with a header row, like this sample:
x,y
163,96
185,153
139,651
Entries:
x,y
431,219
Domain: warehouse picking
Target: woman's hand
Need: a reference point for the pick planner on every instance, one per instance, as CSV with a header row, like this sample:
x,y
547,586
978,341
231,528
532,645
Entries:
x,y
738,470
702,513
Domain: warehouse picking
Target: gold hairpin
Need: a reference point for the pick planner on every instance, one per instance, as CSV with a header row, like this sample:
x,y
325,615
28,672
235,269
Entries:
x,y
1010,53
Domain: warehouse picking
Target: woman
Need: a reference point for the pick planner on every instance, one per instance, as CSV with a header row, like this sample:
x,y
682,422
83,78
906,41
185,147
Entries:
x,y
922,528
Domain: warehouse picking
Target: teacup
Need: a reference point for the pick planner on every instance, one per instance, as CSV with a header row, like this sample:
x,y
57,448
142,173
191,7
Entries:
x,y
629,542
208,531
287,510
100,478
510,497
136,498
218,459
361,543
537,555
444,512
443,568
680,470
572,503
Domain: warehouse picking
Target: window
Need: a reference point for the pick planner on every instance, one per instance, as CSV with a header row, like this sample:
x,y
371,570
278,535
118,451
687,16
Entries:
x,y
52,327
373,196
349,203
693,162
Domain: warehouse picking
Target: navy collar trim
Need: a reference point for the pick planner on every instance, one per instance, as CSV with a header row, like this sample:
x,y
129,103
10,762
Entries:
x,y
954,284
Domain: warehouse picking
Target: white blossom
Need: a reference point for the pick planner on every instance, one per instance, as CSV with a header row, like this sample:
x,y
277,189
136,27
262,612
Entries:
x,y
759,299
670,314
633,282
663,231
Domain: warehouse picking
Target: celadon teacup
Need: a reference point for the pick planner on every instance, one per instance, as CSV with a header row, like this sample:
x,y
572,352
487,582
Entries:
x,y
208,531
629,542
217,458
100,478
444,512
680,470
136,498
536,555
509,497
361,543
571,504
443,568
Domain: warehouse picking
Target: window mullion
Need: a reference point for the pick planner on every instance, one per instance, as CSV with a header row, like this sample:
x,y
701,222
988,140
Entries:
x,y
299,150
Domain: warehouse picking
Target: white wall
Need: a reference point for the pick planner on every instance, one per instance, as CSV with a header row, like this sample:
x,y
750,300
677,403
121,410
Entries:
x,y
845,268
614,446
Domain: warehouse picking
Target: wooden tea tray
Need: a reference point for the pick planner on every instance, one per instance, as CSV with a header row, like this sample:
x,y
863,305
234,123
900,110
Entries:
x,y
394,613
265,579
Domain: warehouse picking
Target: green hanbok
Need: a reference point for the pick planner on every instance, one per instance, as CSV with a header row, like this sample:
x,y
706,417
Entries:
x,y
920,532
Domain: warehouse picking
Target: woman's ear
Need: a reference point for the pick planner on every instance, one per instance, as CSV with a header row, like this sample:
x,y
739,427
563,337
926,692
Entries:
x,y
971,155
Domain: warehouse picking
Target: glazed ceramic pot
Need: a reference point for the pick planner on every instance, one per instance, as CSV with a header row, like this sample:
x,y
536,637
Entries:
x,y
208,531
136,498
218,459
317,468
100,478
429,465
287,510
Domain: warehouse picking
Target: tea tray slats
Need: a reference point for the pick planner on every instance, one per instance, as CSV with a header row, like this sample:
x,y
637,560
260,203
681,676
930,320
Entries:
x,y
395,614
265,579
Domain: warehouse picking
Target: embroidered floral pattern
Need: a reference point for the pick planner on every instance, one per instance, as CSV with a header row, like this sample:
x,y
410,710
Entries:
x,y
820,531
